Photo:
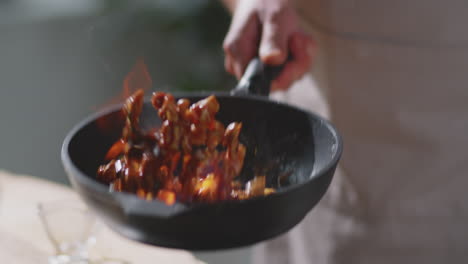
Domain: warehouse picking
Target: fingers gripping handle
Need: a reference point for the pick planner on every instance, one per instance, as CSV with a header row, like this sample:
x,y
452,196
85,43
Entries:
x,y
257,78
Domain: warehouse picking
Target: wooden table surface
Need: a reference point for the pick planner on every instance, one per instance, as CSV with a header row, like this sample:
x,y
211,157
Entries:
x,y
23,239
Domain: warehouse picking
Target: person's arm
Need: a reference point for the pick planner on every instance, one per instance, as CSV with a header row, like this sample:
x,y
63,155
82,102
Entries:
x,y
268,29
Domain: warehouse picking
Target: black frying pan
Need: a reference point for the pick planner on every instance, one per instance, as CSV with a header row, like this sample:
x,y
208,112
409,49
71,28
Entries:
x,y
297,150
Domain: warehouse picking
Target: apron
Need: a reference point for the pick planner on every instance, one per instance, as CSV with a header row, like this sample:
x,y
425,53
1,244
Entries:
x,y
393,77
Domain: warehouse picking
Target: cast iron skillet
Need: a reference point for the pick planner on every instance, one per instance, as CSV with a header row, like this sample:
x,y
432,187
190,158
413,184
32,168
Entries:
x,y
297,150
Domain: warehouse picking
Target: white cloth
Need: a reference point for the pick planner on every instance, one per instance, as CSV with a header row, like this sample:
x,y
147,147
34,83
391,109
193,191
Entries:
x,y
400,101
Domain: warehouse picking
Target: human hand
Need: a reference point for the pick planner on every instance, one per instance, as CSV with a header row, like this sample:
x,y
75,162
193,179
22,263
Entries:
x,y
268,29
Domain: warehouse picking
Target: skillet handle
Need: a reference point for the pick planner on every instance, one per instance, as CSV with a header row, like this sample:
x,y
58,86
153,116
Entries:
x,y
257,78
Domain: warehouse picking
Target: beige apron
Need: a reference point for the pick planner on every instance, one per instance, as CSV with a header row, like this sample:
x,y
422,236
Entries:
x,y
395,76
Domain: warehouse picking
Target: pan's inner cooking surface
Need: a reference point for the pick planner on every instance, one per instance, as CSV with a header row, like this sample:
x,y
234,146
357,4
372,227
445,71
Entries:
x,y
278,140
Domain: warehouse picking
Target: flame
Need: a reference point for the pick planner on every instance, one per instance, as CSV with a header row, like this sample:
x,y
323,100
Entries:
x,y
207,187
168,197
137,79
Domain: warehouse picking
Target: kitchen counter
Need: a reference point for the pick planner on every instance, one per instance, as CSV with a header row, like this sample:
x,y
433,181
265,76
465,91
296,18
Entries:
x,y
23,239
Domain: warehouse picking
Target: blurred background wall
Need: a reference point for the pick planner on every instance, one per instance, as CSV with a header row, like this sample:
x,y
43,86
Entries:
x,y
60,60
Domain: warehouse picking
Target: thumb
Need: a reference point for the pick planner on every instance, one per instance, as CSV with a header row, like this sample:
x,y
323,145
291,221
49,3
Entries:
x,y
274,43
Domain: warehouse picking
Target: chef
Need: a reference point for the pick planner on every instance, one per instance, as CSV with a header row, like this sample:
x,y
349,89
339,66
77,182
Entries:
x,y
393,77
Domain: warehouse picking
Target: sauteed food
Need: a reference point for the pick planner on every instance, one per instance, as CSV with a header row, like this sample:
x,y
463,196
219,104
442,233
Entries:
x,y
192,157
